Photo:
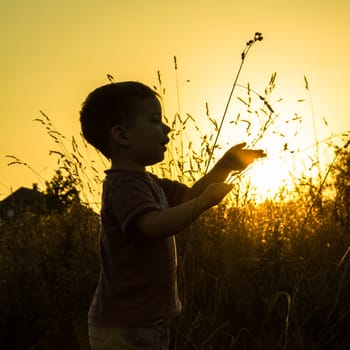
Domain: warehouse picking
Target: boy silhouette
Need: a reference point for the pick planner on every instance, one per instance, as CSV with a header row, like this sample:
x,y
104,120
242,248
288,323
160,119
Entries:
x,y
136,294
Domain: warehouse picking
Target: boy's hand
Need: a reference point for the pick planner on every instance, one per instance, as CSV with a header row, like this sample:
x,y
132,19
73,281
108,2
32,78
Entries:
x,y
214,194
237,158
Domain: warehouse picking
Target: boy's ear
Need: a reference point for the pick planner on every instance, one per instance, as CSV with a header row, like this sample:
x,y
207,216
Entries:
x,y
119,135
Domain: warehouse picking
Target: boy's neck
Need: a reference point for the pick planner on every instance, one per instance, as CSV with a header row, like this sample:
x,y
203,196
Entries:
x,y
124,164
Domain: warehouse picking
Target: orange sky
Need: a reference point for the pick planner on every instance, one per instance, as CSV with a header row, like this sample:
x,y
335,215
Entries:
x,y
54,53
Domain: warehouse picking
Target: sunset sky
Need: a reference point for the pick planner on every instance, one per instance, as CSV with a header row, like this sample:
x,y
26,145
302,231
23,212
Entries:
x,y
53,53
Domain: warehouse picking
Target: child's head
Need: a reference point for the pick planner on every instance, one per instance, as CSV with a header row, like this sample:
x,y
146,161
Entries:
x,y
110,105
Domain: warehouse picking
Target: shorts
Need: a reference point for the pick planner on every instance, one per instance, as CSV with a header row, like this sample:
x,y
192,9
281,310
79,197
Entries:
x,y
143,338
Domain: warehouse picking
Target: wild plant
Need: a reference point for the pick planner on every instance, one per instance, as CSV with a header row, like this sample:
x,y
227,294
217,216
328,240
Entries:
x,y
77,162
253,275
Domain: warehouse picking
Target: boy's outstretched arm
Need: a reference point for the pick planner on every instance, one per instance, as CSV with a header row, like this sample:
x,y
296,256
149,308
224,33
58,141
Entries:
x,y
235,159
168,222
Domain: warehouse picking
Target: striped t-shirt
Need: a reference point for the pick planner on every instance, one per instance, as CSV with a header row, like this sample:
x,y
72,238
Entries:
x,y
137,283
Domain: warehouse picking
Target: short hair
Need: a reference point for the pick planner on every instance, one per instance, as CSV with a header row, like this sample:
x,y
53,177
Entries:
x,y
109,105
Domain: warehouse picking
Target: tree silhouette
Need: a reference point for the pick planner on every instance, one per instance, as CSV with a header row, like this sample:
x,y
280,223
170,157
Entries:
x,y
61,192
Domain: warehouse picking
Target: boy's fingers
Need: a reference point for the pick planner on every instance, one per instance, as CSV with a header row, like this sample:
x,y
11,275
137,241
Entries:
x,y
256,153
261,154
239,146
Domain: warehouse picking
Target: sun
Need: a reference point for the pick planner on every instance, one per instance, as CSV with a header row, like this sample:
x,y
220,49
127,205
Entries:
x,y
271,178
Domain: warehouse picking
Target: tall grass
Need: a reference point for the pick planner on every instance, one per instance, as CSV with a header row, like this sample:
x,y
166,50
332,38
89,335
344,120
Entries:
x,y
270,275
48,273
251,282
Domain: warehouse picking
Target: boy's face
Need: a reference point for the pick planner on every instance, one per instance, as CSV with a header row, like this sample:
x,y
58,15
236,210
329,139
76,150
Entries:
x,y
148,135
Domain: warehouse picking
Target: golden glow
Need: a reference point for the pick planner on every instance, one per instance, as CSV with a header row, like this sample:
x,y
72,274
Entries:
x,y
269,178
54,54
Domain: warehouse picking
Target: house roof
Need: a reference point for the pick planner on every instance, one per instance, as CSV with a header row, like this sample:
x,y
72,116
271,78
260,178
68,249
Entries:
x,y
23,194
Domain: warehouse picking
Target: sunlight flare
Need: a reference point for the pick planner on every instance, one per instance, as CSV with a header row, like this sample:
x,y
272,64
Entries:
x,y
271,178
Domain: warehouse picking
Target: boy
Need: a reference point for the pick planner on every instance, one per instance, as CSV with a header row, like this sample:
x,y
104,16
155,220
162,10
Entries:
x,y
137,292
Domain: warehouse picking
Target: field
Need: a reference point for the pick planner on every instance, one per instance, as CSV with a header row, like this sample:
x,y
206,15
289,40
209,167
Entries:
x,y
273,276
253,275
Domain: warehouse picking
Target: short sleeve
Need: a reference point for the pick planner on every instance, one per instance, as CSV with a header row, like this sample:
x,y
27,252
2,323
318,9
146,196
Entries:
x,y
130,198
174,190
